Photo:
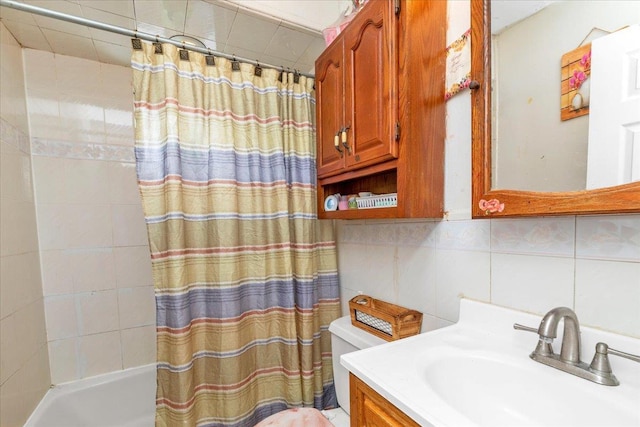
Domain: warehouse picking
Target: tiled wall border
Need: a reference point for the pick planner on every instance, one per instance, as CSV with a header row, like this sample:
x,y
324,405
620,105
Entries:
x,y
603,237
14,136
83,150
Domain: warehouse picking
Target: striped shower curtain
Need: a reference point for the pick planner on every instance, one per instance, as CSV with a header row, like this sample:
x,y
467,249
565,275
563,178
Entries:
x,y
245,275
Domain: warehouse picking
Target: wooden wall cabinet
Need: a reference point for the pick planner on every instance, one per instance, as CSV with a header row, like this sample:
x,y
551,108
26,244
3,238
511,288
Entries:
x,y
380,93
369,409
357,82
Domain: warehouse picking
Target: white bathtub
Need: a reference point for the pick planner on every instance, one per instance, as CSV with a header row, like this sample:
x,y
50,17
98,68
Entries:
x,y
118,399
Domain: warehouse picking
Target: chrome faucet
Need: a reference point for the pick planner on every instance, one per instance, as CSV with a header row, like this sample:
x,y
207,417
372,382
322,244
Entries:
x,y
548,330
599,371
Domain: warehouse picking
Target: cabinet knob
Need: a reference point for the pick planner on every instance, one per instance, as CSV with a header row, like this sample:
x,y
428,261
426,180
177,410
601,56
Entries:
x,y
473,84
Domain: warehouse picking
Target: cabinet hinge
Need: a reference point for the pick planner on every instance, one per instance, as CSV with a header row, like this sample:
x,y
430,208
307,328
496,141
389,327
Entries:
x,y
397,131
397,3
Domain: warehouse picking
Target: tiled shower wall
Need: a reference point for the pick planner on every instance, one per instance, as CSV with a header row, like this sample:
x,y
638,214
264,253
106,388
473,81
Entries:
x,y
96,271
24,364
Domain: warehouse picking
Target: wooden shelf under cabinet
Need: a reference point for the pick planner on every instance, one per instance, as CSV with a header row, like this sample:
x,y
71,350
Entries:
x,y
369,409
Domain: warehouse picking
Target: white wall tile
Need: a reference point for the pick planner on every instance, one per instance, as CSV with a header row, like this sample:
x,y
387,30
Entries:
x,y
57,275
53,226
458,274
133,266
9,358
50,179
20,277
92,269
350,232
18,232
99,353
608,295
417,234
608,237
346,295
31,328
123,183
532,283
12,102
369,270
129,228
89,226
138,346
40,70
98,312
61,317
63,355
137,307
417,278
545,236
379,233
464,235
117,84
429,323
86,181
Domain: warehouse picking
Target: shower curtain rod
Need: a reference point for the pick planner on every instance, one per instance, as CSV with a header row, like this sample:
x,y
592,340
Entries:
x,y
135,34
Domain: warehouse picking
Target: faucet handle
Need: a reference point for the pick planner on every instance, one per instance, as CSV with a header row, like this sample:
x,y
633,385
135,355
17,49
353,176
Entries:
x,y
600,364
600,360
520,327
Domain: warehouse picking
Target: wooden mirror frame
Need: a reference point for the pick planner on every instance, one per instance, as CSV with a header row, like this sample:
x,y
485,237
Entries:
x,y
619,199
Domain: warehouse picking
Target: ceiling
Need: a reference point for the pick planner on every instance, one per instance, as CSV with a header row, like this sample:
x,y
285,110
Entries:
x,y
505,13
252,29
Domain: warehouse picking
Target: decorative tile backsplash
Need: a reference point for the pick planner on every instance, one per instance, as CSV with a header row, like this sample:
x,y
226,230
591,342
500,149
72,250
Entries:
x,y
82,150
530,264
608,237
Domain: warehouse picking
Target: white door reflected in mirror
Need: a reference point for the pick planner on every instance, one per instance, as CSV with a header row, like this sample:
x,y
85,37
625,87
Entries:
x,y
614,126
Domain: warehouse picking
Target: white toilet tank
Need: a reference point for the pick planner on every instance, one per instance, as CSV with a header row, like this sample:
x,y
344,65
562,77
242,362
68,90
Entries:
x,y
346,338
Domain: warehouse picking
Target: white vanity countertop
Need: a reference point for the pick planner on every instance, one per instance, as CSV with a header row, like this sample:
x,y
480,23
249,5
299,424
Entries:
x,y
402,371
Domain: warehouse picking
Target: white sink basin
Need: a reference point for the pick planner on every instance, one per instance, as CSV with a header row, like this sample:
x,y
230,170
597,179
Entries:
x,y
495,390
478,373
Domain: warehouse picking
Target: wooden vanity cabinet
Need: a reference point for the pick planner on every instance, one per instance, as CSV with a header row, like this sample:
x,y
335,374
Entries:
x,y
369,409
381,82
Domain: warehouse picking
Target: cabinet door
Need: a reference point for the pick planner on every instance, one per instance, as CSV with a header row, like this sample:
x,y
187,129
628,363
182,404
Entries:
x,y
369,409
370,45
329,93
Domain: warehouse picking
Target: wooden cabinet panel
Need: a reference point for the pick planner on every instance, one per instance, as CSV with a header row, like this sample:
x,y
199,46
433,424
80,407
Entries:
x,y
370,99
369,409
329,112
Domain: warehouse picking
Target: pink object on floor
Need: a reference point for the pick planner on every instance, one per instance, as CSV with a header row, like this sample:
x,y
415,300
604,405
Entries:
x,y
296,417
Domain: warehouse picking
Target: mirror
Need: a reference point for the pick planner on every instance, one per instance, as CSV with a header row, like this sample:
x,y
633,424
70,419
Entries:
x,y
520,199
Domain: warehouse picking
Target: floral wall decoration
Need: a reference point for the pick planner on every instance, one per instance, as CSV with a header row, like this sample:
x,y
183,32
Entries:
x,y
458,76
575,85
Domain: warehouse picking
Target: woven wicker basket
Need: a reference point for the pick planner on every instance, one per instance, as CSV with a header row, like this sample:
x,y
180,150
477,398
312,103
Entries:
x,y
385,320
